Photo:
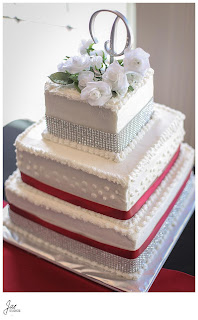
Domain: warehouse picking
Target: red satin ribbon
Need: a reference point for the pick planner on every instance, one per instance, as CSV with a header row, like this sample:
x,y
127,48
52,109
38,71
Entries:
x,y
96,207
102,246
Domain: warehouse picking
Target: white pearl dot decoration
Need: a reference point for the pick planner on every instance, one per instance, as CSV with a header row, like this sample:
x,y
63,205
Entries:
x,y
106,188
94,186
28,167
35,166
112,196
100,192
116,192
104,198
84,190
94,195
77,184
84,183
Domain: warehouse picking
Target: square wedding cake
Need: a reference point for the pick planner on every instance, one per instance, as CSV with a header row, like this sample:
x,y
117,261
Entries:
x,y
97,179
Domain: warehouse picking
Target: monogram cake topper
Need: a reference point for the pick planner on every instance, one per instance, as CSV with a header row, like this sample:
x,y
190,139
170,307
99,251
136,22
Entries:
x,y
109,45
96,74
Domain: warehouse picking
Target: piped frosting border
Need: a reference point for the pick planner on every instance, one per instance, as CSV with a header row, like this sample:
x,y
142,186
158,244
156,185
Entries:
x,y
129,228
167,134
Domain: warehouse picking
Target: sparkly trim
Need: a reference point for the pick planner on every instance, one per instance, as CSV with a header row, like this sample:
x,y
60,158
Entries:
x,y
113,142
174,130
127,268
116,157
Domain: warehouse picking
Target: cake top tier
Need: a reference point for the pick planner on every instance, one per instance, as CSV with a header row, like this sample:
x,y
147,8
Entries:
x,y
97,78
115,103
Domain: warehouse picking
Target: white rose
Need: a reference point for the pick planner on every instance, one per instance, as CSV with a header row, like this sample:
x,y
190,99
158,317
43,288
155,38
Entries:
x,y
84,46
96,93
77,64
100,53
136,60
115,76
61,67
96,62
85,77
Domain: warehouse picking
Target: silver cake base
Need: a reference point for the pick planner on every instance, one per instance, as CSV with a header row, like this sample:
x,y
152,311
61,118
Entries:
x,y
143,284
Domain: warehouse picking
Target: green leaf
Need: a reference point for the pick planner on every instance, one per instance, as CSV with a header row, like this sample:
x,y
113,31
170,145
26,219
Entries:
x,y
90,48
130,88
74,77
61,78
103,57
120,62
66,58
76,86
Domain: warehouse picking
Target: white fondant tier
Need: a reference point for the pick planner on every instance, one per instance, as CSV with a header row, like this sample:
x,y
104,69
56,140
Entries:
x,y
64,103
116,185
46,241
130,234
111,147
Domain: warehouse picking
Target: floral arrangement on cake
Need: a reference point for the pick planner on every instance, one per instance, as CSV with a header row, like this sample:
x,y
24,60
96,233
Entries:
x,y
95,78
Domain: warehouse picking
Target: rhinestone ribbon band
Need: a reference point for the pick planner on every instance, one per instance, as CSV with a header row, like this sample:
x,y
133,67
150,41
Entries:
x,y
100,245
113,142
93,255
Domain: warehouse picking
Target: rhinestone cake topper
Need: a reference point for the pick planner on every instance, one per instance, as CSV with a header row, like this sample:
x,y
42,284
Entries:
x,y
110,44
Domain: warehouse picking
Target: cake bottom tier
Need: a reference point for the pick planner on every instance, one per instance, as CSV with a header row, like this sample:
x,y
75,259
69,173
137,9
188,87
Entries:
x,y
117,265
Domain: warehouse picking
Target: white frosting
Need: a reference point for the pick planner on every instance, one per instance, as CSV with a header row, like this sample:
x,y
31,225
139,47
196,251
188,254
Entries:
x,y
64,103
127,268
59,166
129,234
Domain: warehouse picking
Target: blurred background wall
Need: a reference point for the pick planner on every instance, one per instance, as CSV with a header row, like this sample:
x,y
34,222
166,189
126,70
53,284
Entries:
x,y
37,37
167,32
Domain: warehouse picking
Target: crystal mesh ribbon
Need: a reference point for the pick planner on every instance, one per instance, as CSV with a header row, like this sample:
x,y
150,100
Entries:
x,y
94,255
113,142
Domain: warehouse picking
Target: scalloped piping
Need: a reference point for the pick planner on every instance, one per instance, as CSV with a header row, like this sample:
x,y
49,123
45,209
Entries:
x,y
129,228
114,103
99,173
173,144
